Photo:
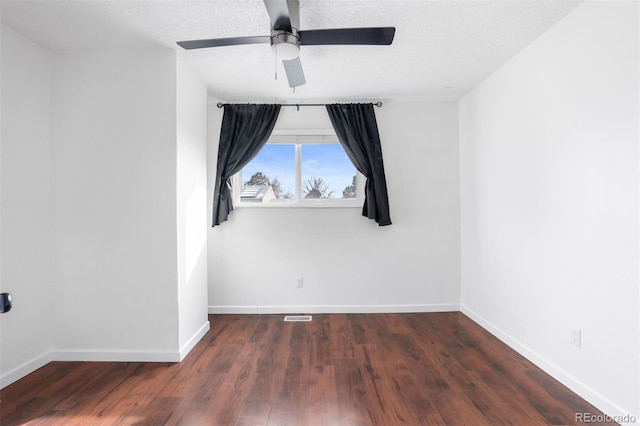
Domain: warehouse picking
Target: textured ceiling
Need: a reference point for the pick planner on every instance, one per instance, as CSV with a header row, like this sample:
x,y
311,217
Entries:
x,y
442,49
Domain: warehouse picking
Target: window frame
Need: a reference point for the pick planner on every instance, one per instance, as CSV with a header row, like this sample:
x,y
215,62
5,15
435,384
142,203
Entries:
x,y
298,138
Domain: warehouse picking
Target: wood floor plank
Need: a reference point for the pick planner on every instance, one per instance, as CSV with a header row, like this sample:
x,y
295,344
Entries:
x,y
340,369
320,398
382,388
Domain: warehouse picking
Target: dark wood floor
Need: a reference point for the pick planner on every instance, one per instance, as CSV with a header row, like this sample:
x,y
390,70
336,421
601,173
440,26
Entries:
x,y
382,369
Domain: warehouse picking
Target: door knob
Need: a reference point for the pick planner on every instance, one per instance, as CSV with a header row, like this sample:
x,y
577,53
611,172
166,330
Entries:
x,y
5,302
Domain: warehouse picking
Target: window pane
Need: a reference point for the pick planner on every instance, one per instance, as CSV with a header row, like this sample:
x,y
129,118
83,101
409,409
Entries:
x,y
270,176
327,172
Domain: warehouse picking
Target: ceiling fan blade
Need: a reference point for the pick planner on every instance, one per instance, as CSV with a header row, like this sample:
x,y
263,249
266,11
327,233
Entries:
x,y
278,11
295,75
216,42
374,36
294,13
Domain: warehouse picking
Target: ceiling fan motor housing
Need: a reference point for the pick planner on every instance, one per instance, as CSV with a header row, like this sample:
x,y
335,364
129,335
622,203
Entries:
x,y
287,44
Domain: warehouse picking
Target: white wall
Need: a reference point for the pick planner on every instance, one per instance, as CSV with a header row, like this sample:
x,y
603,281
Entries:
x,y
25,268
191,119
103,206
348,262
114,180
549,199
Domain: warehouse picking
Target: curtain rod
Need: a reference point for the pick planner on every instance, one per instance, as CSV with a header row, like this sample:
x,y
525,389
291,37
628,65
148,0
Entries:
x,y
378,104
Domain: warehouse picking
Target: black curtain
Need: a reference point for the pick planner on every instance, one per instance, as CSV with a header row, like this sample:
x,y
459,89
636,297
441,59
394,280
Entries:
x,y
357,130
245,130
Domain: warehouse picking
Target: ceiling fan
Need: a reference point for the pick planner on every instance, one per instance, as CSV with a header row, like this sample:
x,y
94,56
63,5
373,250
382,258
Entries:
x,y
286,37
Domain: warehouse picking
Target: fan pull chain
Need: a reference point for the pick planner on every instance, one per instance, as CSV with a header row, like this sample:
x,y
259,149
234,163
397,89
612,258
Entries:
x,y
275,64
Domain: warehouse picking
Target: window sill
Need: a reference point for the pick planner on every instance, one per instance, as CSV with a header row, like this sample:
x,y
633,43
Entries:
x,y
302,205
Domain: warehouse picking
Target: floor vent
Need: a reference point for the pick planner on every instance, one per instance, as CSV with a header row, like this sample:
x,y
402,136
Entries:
x,y
297,318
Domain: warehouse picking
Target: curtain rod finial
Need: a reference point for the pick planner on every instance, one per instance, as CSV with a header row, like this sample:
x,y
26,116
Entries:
x,y
220,104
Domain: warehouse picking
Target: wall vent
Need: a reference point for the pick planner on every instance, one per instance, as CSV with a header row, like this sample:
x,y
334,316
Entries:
x,y
297,318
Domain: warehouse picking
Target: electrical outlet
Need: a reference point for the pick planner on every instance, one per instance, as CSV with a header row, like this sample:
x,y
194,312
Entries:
x,y
576,336
300,282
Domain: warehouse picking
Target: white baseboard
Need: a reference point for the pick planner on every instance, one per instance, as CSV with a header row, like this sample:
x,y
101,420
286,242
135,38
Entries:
x,y
101,356
27,368
333,309
233,309
186,348
584,391
114,356
131,356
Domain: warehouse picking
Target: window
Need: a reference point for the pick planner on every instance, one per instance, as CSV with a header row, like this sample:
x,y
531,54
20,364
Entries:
x,y
300,170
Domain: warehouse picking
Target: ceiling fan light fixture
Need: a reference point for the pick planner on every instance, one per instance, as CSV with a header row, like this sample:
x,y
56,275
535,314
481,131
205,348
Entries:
x,y
286,44
287,51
